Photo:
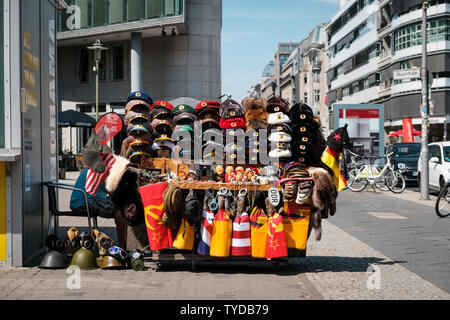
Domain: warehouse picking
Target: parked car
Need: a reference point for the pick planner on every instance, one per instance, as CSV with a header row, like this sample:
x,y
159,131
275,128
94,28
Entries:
x,y
438,164
405,158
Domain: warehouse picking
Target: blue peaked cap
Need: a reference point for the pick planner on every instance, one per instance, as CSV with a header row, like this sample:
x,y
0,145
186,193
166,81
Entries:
x,y
140,96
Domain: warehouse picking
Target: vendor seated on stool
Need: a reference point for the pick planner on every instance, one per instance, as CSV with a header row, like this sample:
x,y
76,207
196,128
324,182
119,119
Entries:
x,y
100,205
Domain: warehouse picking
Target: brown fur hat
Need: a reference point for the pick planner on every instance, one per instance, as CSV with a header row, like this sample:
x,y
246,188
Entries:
x,y
254,104
256,124
255,114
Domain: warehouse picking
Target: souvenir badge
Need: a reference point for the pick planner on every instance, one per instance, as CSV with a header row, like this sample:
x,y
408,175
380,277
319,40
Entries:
x,y
274,196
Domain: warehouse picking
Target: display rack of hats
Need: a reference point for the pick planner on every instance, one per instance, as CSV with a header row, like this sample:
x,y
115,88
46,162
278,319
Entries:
x,y
159,130
279,130
138,128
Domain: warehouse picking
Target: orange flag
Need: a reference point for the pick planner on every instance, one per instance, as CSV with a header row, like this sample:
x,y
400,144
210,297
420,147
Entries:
x,y
159,236
276,240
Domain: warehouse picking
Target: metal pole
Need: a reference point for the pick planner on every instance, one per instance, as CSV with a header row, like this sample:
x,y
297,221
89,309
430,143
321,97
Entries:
x,y
424,176
96,90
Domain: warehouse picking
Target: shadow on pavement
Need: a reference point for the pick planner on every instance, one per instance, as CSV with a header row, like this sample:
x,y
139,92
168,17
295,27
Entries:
x,y
341,264
293,267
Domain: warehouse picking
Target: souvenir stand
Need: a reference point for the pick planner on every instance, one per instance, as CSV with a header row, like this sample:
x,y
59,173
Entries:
x,y
273,220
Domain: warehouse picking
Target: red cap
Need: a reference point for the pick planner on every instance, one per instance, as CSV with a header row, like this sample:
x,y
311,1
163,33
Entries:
x,y
162,103
207,104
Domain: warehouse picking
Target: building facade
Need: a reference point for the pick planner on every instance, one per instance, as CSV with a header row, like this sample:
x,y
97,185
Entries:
x,y
167,48
369,40
28,127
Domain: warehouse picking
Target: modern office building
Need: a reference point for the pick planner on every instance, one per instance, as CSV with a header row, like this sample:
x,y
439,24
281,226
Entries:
x,y
167,48
28,127
368,40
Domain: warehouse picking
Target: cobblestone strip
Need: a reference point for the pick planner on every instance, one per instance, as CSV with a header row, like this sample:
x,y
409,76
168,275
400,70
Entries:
x,y
342,267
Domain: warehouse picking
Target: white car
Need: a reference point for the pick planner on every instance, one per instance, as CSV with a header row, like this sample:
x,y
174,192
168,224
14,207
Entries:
x,y
438,164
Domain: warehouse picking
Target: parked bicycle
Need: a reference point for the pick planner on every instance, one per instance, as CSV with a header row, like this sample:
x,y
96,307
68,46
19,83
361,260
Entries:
x,y
442,206
383,179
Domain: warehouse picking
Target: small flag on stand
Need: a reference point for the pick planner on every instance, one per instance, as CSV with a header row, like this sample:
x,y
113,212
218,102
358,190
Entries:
x,y
336,142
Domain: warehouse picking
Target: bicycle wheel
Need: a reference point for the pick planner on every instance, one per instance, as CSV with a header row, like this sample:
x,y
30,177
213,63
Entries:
x,y
355,183
380,183
395,181
443,202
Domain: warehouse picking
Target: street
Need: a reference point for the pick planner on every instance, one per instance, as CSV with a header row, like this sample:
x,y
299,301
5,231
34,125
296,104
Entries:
x,y
377,246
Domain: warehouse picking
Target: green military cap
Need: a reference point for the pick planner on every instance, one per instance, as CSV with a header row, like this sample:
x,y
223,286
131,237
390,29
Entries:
x,y
183,108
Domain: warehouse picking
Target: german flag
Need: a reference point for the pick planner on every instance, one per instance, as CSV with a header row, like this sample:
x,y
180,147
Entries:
x,y
331,158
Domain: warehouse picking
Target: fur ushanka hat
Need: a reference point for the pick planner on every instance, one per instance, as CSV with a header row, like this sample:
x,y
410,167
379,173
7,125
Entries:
x,y
255,113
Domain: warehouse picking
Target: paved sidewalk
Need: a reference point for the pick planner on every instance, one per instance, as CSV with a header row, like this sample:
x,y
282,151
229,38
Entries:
x,y
337,267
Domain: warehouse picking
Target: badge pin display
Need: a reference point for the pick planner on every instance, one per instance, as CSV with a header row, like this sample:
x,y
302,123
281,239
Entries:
x,y
274,196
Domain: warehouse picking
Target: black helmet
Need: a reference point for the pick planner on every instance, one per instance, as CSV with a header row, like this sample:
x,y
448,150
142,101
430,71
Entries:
x,y
53,259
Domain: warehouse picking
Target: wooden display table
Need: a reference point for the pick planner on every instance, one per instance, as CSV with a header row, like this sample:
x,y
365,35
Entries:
x,y
203,185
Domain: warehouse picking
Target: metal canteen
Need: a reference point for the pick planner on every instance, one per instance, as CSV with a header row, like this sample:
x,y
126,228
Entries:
x,y
137,260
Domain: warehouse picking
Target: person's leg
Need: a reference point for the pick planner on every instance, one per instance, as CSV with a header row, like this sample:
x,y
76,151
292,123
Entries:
x,y
121,228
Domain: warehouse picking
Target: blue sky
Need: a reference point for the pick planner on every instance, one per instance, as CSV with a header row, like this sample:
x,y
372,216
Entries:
x,y
251,30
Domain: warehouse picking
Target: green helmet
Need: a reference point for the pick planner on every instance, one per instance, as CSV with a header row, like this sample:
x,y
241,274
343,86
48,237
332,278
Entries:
x,y
53,260
109,262
84,259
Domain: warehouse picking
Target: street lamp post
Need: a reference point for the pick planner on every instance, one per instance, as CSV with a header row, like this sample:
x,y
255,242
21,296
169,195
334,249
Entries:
x,y
424,176
98,48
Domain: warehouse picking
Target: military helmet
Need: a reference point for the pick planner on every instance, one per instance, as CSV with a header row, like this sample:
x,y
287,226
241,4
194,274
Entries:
x,y
84,258
53,259
110,262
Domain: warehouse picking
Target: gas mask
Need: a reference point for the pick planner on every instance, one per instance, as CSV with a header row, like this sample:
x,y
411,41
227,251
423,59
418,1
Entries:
x,y
86,240
53,243
71,242
103,241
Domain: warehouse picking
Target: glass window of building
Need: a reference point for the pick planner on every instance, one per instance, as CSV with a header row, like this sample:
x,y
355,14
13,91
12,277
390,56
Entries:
x,y
346,91
317,95
305,99
102,67
169,7
115,11
134,10
152,8
83,65
117,63
99,12
305,79
437,30
85,6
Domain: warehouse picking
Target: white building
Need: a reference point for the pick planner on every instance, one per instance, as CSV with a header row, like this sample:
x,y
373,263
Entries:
x,y
369,39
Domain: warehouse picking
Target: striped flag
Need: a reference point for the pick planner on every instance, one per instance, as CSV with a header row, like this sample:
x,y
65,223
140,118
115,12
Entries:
x,y
205,233
241,240
94,178
330,157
